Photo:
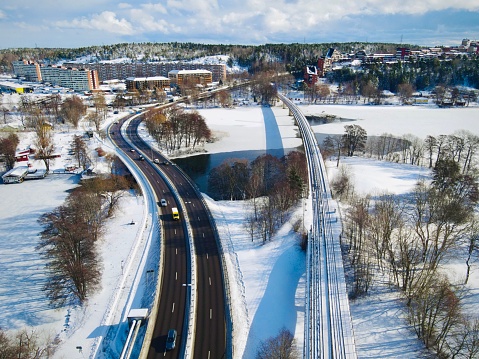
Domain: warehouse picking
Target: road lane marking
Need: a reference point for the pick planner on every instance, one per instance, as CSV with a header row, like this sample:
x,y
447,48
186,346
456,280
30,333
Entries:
x,y
211,313
209,278
173,309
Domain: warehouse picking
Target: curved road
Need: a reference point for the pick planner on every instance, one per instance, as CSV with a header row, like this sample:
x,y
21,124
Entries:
x,y
210,323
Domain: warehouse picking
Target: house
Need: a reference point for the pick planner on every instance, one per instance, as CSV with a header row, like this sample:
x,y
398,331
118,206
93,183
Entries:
x,y
311,75
15,175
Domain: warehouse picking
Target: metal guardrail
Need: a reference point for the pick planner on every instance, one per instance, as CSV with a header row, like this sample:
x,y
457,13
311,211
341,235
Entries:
x,y
228,311
328,327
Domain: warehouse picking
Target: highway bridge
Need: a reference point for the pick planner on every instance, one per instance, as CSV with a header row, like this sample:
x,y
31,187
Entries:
x,y
191,294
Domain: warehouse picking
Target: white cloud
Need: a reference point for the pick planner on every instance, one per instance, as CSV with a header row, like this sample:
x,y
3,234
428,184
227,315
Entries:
x,y
145,22
195,6
124,5
2,15
105,21
154,7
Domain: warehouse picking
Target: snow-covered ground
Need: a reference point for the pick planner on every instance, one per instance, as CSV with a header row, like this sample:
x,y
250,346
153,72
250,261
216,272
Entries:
x,y
268,280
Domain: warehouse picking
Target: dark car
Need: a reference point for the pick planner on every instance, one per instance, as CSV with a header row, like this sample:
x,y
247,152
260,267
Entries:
x,y
171,339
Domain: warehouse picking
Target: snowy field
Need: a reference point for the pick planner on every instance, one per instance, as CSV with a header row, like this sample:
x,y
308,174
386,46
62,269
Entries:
x,y
267,280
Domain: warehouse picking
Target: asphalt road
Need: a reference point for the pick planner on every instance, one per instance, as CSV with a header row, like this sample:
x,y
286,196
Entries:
x,y
210,334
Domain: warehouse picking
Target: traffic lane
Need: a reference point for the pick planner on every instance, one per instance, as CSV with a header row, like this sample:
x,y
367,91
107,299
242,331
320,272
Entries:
x,y
210,303
173,295
211,308
210,312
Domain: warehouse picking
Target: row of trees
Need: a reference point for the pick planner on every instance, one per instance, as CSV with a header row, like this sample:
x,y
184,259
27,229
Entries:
x,y
460,147
53,110
24,344
408,238
271,184
70,236
174,128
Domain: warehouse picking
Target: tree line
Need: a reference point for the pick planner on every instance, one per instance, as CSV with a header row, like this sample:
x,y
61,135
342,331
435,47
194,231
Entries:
x,y
421,75
406,239
70,236
54,110
460,147
272,185
295,55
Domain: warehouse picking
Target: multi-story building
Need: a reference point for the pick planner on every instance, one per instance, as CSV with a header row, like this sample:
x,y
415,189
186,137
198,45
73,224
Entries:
x,y
75,79
179,77
69,77
28,70
150,83
121,71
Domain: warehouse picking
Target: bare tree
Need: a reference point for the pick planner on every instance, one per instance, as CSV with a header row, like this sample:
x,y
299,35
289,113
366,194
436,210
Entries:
x,y
279,347
224,98
354,139
95,119
342,183
6,113
69,245
24,344
434,312
99,103
8,148
334,144
80,151
430,144
405,91
73,109
44,143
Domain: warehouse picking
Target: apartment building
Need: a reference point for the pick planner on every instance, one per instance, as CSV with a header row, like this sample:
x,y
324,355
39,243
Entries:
x,y
69,77
179,77
150,83
27,69
73,78
121,71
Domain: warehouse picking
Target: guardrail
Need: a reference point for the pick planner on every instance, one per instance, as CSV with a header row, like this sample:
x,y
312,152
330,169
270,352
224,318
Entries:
x,y
191,298
228,311
328,327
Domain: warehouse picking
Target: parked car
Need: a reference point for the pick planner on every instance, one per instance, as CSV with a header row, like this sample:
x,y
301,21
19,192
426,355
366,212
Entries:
x,y
171,339
156,160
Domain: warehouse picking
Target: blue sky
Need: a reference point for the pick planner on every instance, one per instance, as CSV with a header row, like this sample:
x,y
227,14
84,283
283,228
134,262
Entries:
x,y
77,23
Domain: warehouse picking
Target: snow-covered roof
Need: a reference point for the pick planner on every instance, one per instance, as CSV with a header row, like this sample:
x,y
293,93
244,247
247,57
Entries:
x,y
19,171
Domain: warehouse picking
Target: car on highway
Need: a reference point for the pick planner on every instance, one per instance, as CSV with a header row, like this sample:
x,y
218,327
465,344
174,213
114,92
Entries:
x,y
141,158
156,160
163,202
171,339
132,150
